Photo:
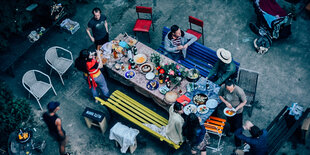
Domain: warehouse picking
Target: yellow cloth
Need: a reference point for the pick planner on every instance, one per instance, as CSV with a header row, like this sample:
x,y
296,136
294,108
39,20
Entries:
x,y
174,127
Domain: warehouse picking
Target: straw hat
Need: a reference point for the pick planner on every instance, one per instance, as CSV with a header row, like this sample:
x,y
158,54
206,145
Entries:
x,y
224,55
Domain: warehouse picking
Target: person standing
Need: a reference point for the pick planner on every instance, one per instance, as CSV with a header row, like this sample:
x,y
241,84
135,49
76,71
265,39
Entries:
x,y
177,42
99,27
258,141
54,125
233,97
87,63
224,68
175,123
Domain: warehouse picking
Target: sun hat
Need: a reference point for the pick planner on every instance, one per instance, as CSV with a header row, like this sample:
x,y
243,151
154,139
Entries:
x,y
52,106
224,55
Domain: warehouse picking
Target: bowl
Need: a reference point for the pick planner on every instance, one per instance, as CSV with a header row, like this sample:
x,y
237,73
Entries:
x,y
193,75
200,99
146,68
150,76
140,58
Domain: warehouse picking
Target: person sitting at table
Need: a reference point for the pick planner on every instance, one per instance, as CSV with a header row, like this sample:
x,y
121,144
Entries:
x,y
196,134
223,69
177,41
175,123
258,141
87,63
233,97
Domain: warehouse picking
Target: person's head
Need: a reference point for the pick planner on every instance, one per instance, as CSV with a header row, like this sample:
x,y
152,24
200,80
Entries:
x,y
224,55
176,31
178,108
255,131
53,107
97,13
230,85
87,55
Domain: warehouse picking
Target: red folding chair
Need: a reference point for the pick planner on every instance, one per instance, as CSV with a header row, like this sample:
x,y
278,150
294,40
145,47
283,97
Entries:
x,y
143,25
198,22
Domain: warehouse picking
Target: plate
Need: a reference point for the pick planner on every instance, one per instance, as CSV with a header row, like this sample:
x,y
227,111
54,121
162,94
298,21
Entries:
x,y
150,76
190,108
146,68
140,59
129,74
163,90
229,112
132,42
152,85
203,109
212,103
200,99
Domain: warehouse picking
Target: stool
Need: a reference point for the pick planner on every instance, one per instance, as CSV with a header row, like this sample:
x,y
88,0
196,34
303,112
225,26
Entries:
x,y
95,118
124,136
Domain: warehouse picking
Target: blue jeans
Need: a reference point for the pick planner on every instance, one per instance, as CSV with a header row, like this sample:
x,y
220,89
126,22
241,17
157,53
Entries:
x,y
102,84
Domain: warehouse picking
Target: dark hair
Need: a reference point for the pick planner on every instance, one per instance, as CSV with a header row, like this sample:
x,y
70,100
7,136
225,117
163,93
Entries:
x,y
177,106
96,10
255,131
80,62
174,28
229,83
190,126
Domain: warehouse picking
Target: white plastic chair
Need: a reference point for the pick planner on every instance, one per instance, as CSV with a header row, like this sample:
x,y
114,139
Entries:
x,y
59,64
35,87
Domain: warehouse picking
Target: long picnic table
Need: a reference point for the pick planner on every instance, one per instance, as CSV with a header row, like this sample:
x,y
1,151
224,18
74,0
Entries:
x,y
139,81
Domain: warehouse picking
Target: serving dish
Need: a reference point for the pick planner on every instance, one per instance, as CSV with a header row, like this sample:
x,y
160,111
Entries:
x,y
140,58
203,109
190,108
152,85
200,99
129,74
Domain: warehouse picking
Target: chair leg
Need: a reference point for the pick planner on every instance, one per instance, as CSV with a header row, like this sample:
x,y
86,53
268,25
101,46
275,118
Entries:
x,y
54,90
135,33
149,37
218,144
62,81
39,104
51,71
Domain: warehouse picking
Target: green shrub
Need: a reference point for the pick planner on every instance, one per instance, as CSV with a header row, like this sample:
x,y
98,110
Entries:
x,y
12,112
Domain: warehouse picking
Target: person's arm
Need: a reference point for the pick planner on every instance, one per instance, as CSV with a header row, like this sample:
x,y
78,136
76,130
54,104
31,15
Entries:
x,y
231,69
58,125
167,45
178,126
99,58
248,140
189,37
213,70
89,34
106,26
242,96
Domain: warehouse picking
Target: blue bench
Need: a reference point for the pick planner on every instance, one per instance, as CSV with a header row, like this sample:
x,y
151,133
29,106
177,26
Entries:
x,y
197,55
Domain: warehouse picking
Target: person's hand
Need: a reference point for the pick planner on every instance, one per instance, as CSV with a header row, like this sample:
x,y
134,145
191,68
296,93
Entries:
x,y
228,105
180,47
247,125
185,46
92,39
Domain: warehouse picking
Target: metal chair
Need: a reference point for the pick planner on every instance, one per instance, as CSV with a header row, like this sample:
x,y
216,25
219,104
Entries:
x,y
58,63
36,87
215,125
144,25
198,22
247,80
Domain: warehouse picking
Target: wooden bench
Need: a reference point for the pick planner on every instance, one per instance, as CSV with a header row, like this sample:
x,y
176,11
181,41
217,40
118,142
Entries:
x,y
197,55
280,129
136,113
95,118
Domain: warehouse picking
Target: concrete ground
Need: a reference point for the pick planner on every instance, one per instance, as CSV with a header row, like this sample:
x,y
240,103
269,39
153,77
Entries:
x,y
284,70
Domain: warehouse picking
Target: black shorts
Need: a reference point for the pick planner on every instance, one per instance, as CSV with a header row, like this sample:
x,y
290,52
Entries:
x,y
103,40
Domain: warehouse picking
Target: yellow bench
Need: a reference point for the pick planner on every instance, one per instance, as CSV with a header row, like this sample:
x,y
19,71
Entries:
x,y
136,113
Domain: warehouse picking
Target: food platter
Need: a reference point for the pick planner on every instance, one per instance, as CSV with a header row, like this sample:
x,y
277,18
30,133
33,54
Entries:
x,y
152,85
132,42
129,74
203,109
211,103
140,58
200,99
190,108
146,68
229,112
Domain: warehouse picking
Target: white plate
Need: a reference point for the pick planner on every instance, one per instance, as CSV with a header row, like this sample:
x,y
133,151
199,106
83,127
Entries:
x,y
190,108
202,109
150,76
139,56
211,103
226,109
